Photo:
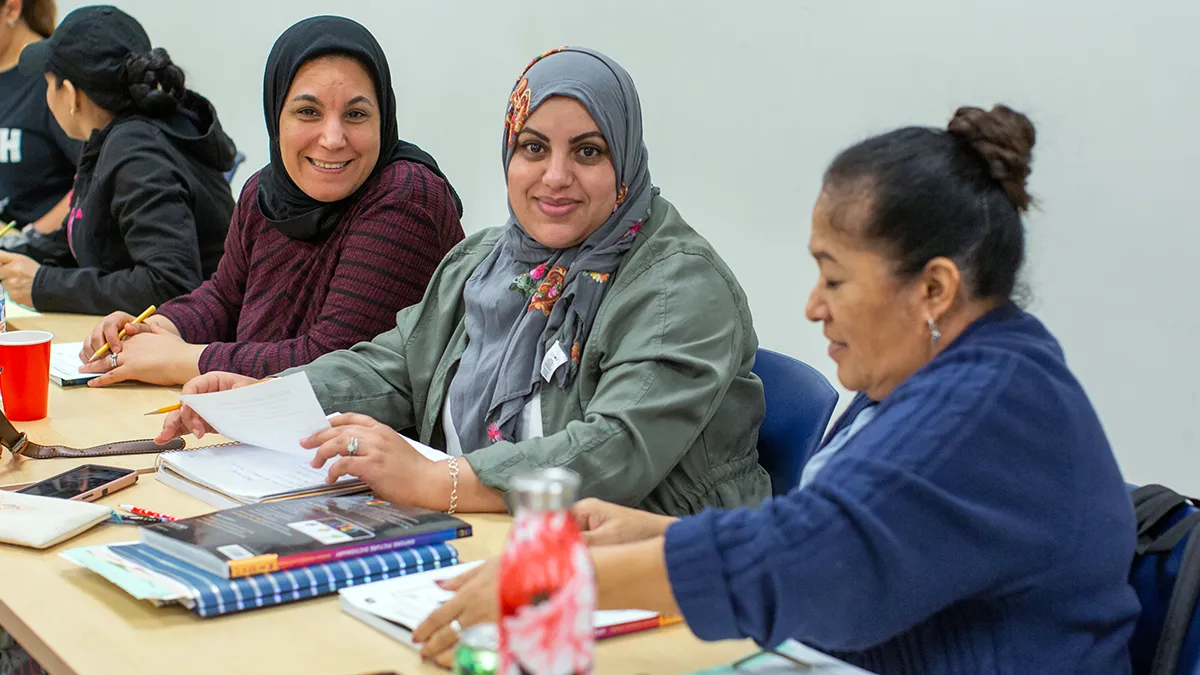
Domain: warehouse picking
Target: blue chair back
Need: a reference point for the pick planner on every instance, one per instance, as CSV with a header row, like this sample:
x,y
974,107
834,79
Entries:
x,y
800,402
237,161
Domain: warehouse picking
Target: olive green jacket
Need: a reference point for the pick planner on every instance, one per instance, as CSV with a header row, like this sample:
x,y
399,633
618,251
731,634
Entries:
x,y
663,413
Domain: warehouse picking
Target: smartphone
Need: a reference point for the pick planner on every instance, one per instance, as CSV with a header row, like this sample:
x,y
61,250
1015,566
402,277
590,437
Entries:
x,y
83,483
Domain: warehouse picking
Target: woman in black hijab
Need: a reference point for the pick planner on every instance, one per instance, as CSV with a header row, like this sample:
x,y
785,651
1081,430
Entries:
x,y
289,208
342,229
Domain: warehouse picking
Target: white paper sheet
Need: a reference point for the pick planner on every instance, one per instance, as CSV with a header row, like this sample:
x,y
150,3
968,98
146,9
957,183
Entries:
x,y
407,600
277,414
65,363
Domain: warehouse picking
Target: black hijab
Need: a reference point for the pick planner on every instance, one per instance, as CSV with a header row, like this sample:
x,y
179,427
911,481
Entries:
x,y
285,205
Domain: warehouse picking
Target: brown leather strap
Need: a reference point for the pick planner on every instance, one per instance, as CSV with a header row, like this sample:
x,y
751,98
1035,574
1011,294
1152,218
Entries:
x,y
20,444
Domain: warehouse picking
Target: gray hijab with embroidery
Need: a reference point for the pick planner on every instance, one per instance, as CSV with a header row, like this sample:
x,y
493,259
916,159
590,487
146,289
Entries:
x,y
530,308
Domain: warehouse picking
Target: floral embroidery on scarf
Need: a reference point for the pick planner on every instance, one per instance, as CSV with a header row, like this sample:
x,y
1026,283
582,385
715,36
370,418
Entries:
x,y
494,433
518,102
518,110
631,232
526,284
620,197
575,347
549,291
598,277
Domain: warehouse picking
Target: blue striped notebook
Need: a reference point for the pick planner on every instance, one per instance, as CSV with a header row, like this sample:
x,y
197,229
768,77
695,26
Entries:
x,y
210,595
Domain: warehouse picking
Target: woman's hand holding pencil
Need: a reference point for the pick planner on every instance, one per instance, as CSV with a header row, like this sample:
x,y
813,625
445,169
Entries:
x,y
107,330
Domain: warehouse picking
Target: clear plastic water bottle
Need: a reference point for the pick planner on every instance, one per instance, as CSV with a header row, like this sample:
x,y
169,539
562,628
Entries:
x,y
547,582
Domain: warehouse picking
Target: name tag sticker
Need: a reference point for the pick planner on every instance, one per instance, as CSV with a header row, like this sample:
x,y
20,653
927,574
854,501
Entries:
x,y
555,357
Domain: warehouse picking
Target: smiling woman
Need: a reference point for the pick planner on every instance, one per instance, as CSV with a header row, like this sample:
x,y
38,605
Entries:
x,y
341,230
329,128
595,330
561,189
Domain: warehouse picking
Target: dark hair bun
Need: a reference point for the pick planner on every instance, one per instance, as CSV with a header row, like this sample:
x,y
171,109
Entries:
x,y
1004,139
155,83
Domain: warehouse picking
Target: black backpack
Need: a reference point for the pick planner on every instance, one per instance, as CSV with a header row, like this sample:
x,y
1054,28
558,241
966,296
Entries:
x,y
1166,576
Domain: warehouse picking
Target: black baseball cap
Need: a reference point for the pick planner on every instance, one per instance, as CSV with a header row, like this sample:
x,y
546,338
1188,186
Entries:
x,y
89,48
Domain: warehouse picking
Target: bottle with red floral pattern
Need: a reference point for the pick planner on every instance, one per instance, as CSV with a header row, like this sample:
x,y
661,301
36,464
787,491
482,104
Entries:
x,y
547,584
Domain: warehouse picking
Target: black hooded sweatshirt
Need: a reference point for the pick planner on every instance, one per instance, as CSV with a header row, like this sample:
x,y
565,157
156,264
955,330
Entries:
x,y
148,217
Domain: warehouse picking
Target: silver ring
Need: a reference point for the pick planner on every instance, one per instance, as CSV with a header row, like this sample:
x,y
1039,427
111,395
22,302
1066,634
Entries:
x,y
456,626
112,360
352,446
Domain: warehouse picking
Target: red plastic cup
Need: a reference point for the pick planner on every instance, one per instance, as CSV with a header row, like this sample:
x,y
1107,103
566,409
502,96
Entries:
x,y
25,374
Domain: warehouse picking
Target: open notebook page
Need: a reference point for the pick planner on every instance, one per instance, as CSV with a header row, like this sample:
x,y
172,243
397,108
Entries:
x,y
246,472
409,599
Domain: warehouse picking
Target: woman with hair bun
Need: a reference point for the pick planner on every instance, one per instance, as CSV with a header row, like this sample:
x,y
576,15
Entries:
x,y
965,515
150,204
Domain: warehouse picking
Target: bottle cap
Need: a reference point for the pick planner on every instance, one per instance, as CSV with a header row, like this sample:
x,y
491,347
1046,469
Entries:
x,y
546,489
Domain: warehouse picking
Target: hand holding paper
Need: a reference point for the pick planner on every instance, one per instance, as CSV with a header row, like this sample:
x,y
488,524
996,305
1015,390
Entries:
x,y
276,414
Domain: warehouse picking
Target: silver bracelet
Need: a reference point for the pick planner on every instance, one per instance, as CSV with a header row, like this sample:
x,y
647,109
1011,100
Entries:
x,y
453,464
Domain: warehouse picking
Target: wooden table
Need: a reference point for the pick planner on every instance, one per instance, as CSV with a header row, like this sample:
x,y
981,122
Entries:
x,y
73,621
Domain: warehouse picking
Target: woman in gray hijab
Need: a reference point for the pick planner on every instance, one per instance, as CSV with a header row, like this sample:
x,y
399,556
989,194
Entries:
x,y
594,331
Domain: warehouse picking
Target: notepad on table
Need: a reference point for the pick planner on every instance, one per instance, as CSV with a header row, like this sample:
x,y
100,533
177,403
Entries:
x,y
267,463
397,606
65,363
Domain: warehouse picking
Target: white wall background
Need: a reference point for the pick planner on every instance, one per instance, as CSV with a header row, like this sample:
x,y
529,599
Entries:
x,y
745,102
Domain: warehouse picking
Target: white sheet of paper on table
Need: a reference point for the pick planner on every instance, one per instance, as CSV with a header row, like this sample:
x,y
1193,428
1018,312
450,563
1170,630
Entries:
x,y
65,363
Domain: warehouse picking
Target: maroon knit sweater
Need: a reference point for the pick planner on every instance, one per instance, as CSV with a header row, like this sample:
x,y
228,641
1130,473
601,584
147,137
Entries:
x,y
276,302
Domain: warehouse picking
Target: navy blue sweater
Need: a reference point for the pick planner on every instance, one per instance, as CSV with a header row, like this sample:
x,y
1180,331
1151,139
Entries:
x,y
977,526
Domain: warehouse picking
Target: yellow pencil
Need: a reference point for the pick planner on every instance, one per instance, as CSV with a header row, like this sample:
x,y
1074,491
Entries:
x,y
176,406
121,336
7,228
165,409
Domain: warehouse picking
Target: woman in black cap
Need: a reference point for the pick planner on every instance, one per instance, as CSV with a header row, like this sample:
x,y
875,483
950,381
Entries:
x,y
151,205
37,160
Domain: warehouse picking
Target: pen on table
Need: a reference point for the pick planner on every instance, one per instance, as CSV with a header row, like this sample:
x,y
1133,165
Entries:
x,y
139,511
126,519
121,336
7,227
637,626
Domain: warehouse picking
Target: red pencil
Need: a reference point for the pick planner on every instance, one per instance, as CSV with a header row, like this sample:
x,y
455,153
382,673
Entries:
x,y
637,626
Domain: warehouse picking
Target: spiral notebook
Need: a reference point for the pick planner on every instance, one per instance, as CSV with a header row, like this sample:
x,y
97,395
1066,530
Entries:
x,y
266,463
235,474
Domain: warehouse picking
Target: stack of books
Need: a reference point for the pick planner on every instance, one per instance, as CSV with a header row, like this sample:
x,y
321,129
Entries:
x,y
275,552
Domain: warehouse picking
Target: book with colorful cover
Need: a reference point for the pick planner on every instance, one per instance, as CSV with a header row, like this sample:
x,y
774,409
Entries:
x,y
147,574
275,536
